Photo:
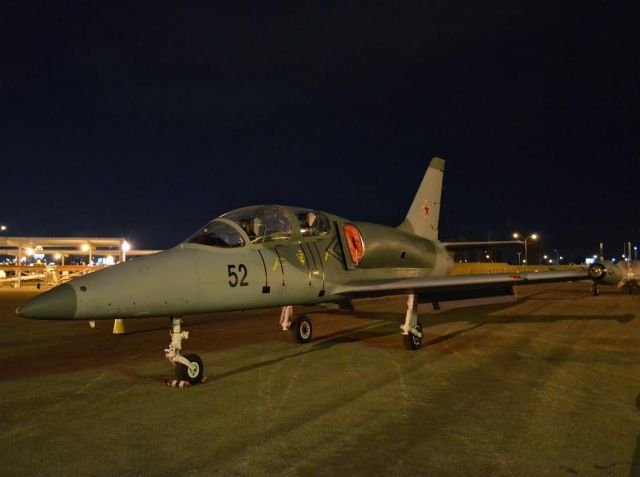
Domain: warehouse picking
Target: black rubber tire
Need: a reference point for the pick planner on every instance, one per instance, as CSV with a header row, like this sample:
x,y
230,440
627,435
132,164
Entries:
x,y
411,341
301,329
182,372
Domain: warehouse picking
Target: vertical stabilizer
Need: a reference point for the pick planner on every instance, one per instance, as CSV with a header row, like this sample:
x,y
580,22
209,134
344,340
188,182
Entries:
x,y
422,218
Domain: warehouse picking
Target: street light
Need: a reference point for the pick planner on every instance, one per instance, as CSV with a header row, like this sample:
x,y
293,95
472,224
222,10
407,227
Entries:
x,y
516,235
87,248
3,228
124,248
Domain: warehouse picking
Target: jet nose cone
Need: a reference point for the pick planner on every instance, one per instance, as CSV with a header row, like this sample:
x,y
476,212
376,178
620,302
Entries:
x,y
58,303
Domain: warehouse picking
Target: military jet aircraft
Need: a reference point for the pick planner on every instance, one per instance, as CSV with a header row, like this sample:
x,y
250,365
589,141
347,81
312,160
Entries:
x,y
623,275
271,255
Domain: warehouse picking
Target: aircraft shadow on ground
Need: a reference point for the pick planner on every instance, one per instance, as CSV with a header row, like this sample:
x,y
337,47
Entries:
x,y
476,317
389,327
379,325
386,324
634,466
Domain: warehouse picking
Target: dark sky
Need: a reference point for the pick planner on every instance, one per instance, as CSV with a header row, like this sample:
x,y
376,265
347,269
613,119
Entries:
x,y
146,119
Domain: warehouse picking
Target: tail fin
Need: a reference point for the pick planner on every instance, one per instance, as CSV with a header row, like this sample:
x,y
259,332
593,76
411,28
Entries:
x,y
422,218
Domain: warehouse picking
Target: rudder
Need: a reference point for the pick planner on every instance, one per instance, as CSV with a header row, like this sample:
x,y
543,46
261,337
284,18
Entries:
x,y
424,213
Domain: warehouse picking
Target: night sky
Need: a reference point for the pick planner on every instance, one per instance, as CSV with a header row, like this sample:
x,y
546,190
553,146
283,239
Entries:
x,y
147,119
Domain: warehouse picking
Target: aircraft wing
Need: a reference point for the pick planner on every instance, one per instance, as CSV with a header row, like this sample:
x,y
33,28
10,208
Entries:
x,y
456,287
474,245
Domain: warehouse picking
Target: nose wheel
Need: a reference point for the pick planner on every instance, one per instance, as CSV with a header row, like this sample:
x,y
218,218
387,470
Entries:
x,y
193,373
189,368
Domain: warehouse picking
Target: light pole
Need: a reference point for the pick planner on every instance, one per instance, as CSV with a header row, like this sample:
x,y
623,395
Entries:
x,y
124,248
557,256
87,248
516,235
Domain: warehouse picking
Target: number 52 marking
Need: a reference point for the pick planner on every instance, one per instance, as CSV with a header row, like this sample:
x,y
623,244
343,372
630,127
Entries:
x,y
235,280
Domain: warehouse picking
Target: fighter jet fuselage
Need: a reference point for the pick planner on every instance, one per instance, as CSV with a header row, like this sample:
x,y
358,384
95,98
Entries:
x,y
255,257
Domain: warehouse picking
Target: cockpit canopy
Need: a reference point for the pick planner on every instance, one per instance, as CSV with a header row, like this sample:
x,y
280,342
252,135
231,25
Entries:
x,y
261,224
218,234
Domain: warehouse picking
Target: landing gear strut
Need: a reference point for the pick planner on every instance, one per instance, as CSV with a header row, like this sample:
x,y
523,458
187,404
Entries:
x,y
412,328
285,317
189,368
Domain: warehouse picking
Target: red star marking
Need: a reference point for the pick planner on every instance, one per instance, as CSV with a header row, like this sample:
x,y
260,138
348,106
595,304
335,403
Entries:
x,y
426,209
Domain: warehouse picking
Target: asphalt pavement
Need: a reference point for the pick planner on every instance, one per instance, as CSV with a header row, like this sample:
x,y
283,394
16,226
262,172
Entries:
x,y
548,385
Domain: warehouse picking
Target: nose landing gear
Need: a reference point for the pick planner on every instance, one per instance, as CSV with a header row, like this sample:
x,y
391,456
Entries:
x,y
189,368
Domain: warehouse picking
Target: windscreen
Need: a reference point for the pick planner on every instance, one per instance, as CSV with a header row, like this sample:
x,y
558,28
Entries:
x,y
218,234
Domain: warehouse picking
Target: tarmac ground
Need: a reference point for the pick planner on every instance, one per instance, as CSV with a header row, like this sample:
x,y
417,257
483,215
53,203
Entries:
x,y
548,385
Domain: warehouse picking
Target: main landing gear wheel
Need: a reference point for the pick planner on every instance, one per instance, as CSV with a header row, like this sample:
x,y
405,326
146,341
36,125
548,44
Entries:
x,y
192,373
301,329
413,341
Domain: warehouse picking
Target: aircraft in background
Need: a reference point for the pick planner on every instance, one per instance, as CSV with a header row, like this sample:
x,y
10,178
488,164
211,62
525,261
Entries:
x,y
623,275
271,255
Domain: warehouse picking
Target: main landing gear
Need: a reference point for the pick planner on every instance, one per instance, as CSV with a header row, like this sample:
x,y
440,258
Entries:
x,y
412,328
189,368
301,328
